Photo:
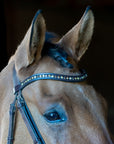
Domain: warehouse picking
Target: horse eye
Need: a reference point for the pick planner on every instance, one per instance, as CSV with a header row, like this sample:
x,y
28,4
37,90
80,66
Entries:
x,y
54,117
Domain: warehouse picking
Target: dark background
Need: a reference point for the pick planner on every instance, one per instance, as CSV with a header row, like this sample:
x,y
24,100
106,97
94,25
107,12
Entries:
x,y
60,16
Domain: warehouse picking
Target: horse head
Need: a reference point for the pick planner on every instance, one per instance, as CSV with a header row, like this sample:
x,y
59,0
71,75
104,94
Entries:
x,y
65,112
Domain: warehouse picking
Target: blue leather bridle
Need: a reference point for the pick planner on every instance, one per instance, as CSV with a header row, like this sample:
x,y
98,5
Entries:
x,y
20,103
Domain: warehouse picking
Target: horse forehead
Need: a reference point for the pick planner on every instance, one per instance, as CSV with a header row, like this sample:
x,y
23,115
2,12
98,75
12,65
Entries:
x,y
61,89
78,95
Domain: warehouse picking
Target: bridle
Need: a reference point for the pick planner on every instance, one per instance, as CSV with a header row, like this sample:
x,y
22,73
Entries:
x,y
20,103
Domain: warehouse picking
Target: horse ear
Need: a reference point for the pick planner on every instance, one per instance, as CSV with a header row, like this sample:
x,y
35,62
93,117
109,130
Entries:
x,y
37,37
77,40
30,48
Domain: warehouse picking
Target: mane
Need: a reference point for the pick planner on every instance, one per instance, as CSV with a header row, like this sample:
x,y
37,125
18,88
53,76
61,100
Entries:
x,y
55,51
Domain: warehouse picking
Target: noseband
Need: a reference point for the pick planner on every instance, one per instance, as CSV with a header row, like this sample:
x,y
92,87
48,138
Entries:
x,y
20,103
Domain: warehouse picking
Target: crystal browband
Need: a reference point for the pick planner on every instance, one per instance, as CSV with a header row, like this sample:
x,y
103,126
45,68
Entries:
x,y
51,76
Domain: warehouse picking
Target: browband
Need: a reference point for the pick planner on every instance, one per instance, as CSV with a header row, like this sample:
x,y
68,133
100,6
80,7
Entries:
x,y
51,76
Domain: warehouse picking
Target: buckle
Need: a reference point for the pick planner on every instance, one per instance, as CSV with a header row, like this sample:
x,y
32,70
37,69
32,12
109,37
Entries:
x,y
16,88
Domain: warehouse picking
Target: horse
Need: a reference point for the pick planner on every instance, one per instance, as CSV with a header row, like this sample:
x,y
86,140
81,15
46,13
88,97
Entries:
x,y
48,96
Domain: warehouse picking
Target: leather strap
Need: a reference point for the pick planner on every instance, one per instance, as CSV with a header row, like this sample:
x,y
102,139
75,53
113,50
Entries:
x,y
25,113
51,76
12,112
29,121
